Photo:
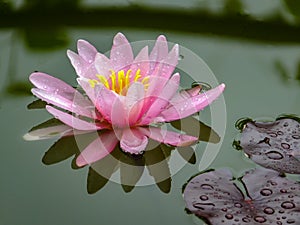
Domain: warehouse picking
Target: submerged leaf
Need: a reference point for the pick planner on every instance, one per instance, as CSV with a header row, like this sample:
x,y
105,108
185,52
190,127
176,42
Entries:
x,y
270,199
274,145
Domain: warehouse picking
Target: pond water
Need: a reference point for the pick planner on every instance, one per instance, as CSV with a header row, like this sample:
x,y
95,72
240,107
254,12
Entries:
x,y
34,193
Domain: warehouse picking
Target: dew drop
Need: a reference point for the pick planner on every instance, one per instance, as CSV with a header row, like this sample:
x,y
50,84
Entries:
x,y
224,209
279,132
204,197
260,219
207,187
283,190
296,136
288,205
266,192
246,220
238,205
279,223
268,210
229,216
289,221
272,134
181,57
274,155
281,211
285,145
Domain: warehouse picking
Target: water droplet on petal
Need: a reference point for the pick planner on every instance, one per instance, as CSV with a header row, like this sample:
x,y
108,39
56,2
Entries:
x,y
274,155
296,136
266,192
288,205
260,219
181,57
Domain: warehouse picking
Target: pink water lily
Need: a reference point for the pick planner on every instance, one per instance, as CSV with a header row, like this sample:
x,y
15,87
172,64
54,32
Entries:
x,y
124,97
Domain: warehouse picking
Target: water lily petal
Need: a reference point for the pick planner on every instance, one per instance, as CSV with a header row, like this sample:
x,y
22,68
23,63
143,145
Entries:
x,y
86,50
74,122
98,149
77,62
185,94
134,102
133,141
121,54
167,66
168,137
162,100
48,83
141,62
192,105
103,65
159,52
89,91
65,103
105,100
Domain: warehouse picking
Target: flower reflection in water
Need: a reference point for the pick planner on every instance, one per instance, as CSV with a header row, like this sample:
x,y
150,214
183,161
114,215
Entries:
x,y
154,162
269,198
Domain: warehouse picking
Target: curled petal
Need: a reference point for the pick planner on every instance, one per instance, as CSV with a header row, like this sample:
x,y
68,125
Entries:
x,y
168,137
86,50
121,54
74,122
191,105
98,149
133,141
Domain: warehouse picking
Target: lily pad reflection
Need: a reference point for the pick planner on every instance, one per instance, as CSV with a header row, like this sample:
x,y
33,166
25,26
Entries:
x,y
274,145
269,198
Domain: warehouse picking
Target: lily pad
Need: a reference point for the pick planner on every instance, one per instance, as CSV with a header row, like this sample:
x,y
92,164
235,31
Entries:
x,y
269,198
274,145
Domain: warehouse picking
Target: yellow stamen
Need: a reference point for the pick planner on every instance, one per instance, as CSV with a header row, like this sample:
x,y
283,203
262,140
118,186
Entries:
x,y
93,83
145,80
119,82
103,80
113,80
137,75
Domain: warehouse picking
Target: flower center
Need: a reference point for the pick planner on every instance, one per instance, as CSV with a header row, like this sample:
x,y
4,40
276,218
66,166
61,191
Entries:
x,y
119,82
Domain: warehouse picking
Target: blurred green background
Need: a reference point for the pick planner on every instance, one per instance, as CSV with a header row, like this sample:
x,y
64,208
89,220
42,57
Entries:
x,y
253,46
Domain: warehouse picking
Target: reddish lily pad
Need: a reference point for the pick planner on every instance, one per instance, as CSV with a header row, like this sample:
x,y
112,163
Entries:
x,y
274,145
270,198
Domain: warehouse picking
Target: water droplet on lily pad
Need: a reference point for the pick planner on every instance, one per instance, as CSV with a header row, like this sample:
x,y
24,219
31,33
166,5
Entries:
x,y
269,143
265,200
